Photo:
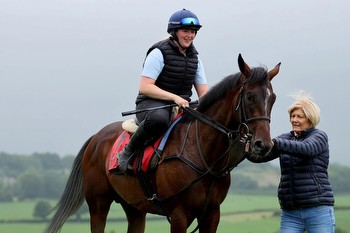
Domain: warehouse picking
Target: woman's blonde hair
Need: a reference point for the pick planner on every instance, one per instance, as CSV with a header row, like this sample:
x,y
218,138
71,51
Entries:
x,y
307,105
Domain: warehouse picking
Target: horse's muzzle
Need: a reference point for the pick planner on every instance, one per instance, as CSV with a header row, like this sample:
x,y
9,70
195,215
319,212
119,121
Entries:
x,y
261,148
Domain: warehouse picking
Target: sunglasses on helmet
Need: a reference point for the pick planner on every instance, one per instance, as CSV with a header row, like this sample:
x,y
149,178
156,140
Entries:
x,y
189,21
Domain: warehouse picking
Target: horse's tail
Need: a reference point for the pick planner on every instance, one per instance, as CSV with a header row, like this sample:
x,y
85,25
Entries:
x,y
72,197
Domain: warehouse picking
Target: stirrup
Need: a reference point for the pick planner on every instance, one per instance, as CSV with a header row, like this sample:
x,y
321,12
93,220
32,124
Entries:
x,y
125,165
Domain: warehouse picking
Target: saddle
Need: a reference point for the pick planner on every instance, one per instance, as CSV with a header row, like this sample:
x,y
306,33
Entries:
x,y
145,160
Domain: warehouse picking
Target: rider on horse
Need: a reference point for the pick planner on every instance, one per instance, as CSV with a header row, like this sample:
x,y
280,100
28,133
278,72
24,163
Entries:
x,y
170,70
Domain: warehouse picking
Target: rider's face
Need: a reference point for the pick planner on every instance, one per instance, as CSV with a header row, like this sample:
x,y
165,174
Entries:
x,y
185,37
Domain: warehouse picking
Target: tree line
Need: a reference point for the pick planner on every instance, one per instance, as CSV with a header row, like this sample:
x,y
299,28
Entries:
x,y
44,175
39,175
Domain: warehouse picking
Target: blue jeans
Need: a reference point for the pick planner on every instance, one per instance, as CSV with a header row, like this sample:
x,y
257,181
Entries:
x,y
319,219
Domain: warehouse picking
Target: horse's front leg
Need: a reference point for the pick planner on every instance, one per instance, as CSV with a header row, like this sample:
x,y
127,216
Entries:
x,y
209,221
180,220
178,225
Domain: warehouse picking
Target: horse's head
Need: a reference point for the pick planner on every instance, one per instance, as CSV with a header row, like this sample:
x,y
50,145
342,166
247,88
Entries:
x,y
254,105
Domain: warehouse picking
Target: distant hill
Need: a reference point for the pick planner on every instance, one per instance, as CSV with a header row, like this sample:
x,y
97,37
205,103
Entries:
x,y
265,175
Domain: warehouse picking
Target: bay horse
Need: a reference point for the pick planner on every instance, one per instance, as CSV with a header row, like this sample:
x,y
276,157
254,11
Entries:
x,y
192,177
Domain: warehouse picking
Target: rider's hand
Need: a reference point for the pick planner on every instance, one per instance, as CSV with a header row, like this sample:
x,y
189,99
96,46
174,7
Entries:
x,y
181,102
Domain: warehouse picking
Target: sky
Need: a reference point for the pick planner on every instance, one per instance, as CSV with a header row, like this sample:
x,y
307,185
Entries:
x,y
70,67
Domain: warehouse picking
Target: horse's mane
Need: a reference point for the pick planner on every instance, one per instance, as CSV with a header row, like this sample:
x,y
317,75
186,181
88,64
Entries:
x,y
258,76
218,91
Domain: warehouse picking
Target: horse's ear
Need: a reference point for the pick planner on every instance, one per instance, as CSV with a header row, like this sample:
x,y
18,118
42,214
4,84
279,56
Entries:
x,y
272,73
243,67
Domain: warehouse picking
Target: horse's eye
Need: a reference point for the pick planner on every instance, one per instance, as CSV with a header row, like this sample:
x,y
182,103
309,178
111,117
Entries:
x,y
249,97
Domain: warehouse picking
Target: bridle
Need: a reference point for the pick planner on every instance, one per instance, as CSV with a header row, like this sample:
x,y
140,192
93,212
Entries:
x,y
243,129
241,107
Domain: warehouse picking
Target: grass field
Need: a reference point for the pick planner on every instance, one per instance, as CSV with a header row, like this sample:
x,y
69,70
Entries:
x,y
240,213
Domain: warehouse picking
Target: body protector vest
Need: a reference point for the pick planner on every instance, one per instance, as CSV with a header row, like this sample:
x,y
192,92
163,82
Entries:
x,y
179,70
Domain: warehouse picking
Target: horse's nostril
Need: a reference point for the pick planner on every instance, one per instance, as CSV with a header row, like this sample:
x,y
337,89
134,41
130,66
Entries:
x,y
260,147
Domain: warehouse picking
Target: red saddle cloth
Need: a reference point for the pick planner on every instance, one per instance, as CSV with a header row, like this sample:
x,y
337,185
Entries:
x,y
120,143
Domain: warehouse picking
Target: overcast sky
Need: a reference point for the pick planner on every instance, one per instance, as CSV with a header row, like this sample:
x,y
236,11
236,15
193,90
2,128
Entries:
x,y
70,67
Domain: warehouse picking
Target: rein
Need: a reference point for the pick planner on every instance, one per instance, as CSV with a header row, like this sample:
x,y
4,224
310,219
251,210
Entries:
x,y
239,136
209,121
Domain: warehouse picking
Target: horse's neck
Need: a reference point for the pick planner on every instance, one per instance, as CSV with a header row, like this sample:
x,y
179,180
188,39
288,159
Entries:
x,y
224,113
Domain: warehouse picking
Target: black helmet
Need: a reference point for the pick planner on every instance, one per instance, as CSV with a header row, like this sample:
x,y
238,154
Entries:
x,y
183,19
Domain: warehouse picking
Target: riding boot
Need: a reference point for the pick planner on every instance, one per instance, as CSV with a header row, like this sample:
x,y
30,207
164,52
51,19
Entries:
x,y
137,141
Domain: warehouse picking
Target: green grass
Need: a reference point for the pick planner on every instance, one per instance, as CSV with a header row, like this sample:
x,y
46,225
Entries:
x,y
17,210
239,203
238,215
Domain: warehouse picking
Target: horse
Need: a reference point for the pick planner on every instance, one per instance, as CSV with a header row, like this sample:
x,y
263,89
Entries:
x,y
192,177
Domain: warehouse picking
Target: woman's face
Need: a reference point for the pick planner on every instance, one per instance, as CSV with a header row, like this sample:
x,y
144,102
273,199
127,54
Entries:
x,y
185,37
299,121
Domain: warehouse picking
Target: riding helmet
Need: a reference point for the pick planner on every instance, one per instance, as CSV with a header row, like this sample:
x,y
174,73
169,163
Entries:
x,y
183,19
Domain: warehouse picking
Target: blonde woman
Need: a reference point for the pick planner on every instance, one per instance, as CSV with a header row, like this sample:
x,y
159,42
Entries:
x,y
304,192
